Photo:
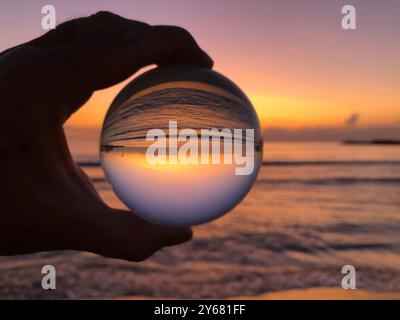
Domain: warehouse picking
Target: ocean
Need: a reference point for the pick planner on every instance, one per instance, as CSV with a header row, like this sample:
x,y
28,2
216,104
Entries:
x,y
314,208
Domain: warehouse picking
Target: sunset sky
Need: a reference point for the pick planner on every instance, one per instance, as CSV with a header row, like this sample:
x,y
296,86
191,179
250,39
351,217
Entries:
x,y
292,58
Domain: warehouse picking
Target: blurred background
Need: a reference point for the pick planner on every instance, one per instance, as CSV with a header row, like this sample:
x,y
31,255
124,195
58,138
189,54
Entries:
x,y
318,203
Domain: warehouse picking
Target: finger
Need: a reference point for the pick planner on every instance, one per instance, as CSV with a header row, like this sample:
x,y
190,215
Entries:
x,y
85,222
84,28
170,44
105,61
121,234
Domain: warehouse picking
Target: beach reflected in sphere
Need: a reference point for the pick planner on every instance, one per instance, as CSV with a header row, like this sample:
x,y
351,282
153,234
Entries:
x,y
191,185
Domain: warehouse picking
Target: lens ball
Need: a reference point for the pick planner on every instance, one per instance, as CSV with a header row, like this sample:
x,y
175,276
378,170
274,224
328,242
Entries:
x,y
181,145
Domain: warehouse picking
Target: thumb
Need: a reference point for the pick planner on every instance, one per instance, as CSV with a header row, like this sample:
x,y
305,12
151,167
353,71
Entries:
x,y
121,234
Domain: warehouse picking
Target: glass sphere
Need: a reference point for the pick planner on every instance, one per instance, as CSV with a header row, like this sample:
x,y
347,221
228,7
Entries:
x,y
181,145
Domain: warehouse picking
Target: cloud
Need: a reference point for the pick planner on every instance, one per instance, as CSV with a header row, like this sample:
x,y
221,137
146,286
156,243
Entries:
x,y
352,120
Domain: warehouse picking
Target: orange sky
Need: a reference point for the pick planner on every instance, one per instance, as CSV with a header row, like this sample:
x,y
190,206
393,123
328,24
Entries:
x,y
293,59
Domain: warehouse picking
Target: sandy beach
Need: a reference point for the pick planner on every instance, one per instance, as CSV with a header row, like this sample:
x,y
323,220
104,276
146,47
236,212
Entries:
x,y
317,293
325,293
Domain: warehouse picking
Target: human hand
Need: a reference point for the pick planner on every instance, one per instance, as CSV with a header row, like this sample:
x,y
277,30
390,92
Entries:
x,y
46,201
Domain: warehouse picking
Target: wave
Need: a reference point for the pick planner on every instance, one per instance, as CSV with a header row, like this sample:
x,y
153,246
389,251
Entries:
x,y
331,163
331,181
88,163
280,242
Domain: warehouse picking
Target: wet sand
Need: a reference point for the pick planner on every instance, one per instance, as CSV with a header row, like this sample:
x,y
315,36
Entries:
x,y
322,293
325,293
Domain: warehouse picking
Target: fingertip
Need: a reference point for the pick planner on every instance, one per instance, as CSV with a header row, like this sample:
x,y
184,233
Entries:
x,y
187,234
209,62
172,236
177,45
205,60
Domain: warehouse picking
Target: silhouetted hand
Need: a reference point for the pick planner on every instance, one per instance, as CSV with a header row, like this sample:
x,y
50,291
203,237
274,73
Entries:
x,y
46,201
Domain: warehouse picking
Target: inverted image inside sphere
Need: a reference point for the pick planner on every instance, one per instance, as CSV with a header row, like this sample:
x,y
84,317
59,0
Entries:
x,y
181,146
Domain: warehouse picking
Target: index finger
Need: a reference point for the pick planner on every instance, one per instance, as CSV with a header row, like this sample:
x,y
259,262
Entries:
x,y
86,66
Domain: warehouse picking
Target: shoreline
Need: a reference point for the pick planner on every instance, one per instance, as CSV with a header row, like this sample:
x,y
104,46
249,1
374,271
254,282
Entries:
x,y
313,293
324,293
